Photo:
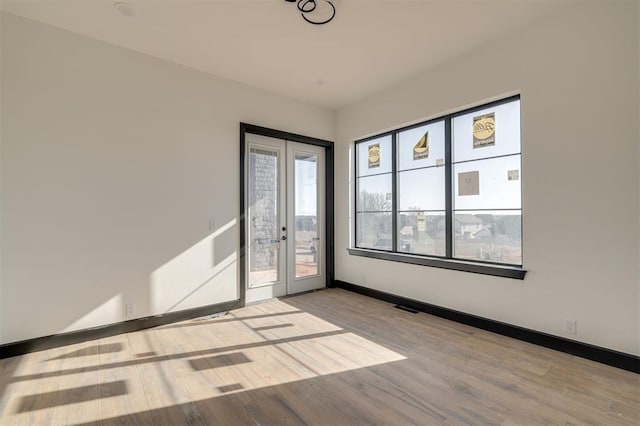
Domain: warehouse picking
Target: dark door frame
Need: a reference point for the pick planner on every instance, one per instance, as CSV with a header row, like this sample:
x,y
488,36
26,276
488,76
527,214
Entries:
x,y
329,195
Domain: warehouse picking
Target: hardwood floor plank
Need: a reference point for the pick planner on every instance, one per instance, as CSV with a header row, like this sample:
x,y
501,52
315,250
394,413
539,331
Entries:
x,y
33,363
9,367
131,407
626,412
329,358
78,397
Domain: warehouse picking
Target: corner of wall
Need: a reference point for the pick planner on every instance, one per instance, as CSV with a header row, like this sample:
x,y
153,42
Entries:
x,y
638,148
552,63
1,192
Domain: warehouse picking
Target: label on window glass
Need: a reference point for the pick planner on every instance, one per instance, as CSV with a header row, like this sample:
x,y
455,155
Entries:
x,y
513,174
421,149
422,222
484,130
374,155
469,183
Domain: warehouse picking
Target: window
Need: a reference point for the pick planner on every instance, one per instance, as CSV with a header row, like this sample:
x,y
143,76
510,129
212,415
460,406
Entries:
x,y
444,193
375,190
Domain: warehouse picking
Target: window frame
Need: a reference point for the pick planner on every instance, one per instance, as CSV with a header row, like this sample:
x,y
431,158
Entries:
x,y
448,261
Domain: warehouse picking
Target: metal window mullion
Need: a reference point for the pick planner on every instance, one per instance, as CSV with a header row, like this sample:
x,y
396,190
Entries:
x,y
435,166
448,183
394,194
489,158
374,175
355,194
489,210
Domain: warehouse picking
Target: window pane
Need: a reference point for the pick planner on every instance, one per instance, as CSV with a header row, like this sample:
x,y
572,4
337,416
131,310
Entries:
x,y
487,184
421,189
505,140
374,156
374,231
422,233
421,147
489,236
306,213
374,193
264,236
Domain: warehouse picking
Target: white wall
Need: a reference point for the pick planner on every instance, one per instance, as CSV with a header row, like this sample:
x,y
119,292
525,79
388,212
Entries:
x,y
113,164
1,126
578,75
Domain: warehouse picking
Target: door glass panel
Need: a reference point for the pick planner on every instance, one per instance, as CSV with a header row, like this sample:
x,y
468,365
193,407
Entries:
x,y
306,215
264,245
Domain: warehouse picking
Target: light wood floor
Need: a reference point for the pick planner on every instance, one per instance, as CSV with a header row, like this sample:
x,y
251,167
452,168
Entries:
x,y
330,357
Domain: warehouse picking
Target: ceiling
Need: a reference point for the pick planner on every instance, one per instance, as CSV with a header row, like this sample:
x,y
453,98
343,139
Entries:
x,y
369,46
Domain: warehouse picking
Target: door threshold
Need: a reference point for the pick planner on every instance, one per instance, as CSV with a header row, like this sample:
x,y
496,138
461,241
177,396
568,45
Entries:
x,y
286,296
302,292
258,302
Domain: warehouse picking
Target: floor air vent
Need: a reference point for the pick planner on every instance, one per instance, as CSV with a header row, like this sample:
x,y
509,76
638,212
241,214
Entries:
x,y
406,308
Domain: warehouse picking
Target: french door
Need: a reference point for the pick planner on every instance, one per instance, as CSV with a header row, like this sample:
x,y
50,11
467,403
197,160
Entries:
x,y
285,223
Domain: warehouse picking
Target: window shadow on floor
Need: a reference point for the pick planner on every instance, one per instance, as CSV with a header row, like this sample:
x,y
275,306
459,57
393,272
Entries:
x,y
71,396
91,350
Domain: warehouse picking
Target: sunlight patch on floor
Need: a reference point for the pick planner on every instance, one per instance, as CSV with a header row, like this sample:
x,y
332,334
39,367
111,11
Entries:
x,y
258,346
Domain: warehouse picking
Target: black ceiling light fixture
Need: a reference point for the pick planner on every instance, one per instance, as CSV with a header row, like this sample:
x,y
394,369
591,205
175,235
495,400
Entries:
x,y
314,15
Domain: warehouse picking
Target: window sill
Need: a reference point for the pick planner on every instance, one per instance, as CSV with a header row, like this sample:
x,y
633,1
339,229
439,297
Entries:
x,y
513,272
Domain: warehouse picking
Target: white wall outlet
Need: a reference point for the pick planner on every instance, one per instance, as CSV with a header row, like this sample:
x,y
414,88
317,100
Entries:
x,y
570,326
130,310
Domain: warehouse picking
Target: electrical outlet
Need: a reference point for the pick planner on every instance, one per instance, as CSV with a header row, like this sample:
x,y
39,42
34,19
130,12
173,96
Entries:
x,y
130,309
570,326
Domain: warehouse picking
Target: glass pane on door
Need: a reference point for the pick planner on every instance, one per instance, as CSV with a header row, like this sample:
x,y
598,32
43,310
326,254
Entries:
x,y
263,220
306,215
